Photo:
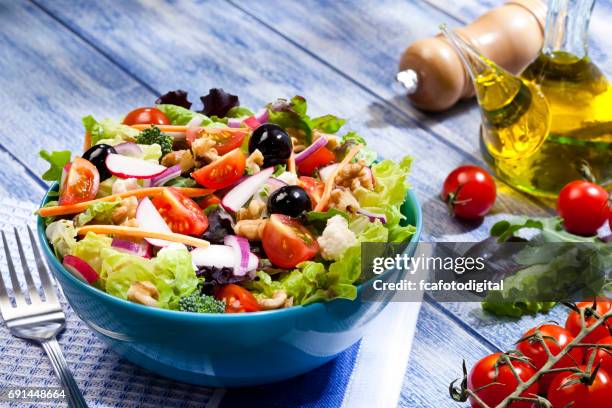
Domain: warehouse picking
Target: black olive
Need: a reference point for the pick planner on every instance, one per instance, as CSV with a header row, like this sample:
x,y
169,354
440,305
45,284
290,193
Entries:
x,y
273,143
97,156
289,200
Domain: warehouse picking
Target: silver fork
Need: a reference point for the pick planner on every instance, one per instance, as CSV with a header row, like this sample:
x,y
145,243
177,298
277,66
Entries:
x,y
41,320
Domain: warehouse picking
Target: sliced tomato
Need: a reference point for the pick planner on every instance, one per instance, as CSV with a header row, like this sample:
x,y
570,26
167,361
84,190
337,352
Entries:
x,y
237,299
209,200
226,139
80,182
146,116
223,172
313,187
321,157
287,242
180,212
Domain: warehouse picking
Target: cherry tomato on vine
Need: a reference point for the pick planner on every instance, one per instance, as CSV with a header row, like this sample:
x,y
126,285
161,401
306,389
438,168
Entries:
x,y
566,392
556,338
574,323
237,299
469,191
491,370
603,356
146,116
583,206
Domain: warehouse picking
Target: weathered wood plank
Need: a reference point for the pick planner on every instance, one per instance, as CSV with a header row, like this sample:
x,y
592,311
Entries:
x,y
259,66
15,182
439,347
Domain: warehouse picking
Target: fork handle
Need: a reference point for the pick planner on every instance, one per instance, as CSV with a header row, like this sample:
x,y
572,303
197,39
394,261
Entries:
x,y
53,350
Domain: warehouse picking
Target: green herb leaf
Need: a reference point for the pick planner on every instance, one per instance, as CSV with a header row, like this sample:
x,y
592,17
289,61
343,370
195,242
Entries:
x,y
57,160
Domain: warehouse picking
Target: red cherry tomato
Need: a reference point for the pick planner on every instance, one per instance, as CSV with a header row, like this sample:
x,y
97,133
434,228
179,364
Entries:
x,y
488,371
80,182
209,200
321,157
573,322
313,187
287,242
470,192
564,392
583,206
603,356
146,116
180,212
225,140
223,172
237,299
556,338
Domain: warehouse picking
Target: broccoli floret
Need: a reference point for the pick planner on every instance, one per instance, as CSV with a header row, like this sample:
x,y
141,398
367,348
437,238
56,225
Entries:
x,y
153,135
201,303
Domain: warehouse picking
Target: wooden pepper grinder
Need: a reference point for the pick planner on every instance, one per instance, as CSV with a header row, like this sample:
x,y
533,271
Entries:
x,y
510,35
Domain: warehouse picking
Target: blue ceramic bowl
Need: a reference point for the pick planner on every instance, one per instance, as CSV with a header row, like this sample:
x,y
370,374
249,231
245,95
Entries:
x,y
224,350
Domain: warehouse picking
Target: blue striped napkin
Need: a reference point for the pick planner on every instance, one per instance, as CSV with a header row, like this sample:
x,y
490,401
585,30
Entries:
x,y
363,375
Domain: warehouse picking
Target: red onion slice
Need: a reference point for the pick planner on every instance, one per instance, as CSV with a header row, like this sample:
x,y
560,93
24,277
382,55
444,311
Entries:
x,y
241,193
262,116
373,216
242,252
252,122
169,174
128,149
80,269
217,256
327,171
193,128
301,156
142,249
235,122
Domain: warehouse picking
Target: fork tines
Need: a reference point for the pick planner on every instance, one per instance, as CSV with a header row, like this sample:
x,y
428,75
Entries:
x,y
35,299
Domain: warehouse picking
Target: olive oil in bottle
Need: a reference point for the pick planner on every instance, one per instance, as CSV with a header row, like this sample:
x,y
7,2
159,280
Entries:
x,y
514,111
580,99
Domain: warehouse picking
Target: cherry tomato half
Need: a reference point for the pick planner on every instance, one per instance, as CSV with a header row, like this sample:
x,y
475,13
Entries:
x,y
574,324
321,157
146,116
180,212
556,338
488,371
226,139
470,192
313,187
237,299
223,172
565,392
583,206
287,242
80,182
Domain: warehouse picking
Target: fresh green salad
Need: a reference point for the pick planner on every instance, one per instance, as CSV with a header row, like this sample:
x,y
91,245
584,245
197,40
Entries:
x,y
223,209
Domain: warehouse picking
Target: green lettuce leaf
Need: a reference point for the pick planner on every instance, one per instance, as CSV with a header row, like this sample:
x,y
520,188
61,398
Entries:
x,y
239,112
101,212
57,161
90,249
327,123
292,115
61,235
108,129
177,115
351,139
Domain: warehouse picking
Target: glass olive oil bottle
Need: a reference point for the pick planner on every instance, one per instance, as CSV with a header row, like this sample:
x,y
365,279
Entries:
x,y
515,114
580,99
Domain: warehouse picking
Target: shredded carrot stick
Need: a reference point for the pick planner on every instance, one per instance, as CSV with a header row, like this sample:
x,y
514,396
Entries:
x,y
139,233
291,164
182,128
87,142
143,192
329,184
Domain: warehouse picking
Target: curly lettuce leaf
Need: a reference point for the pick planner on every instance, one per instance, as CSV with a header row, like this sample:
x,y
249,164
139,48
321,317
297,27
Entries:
x,y
177,115
292,115
327,123
178,98
239,112
108,129
90,249
61,235
57,160
101,212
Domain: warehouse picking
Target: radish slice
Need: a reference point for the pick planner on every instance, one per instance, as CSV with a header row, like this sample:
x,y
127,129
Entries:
x,y
169,174
242,251
216,256
127,167
262,116
129,149
241,193
373,216
252,122
319,143
149,219
142,249
65,172
275,184
193,128
80,269
326,171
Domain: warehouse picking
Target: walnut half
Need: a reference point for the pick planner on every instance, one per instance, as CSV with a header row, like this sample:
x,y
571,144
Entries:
x,y
355,175
342,199
250,229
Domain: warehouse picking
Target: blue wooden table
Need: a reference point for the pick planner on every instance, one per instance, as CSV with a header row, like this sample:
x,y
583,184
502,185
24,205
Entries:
x,y
61,60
